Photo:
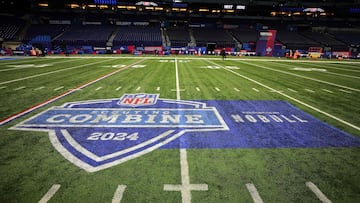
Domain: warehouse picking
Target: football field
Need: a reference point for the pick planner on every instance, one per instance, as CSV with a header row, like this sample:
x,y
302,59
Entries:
x,y
179,129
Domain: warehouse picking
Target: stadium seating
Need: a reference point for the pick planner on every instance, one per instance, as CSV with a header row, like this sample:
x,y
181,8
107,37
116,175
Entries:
x,y
138,36
179,36
9,27
220,37
82,35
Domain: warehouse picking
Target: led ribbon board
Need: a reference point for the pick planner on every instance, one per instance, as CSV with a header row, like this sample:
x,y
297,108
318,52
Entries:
x,y
98,134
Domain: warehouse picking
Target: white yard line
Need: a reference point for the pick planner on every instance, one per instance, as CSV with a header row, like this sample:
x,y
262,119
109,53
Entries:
x,y
301,76
236,89
117,89
317,192
99,88
197,89
158,89
138,88
50,193
118,194
217,89
51,72
185,188
254,193
256,90
291,98
3,87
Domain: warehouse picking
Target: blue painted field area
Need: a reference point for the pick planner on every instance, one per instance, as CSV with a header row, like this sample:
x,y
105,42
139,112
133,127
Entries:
x,y
266,124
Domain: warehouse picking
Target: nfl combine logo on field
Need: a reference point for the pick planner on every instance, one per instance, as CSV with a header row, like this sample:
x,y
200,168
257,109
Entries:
x,y
99,134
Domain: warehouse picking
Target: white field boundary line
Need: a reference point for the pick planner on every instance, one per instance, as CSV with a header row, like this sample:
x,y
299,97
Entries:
x,y
325,72
51,72
301,76
10,69
331,67
37,106
291,98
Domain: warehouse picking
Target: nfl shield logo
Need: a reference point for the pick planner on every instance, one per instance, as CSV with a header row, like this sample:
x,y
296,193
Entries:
x,y
135,100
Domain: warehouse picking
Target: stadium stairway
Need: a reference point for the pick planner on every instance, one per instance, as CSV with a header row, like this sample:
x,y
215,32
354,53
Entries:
x,y
109,43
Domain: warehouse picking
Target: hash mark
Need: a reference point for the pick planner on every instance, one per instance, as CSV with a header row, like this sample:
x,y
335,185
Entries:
x,y
326,90
342,90
317,192
50,193
59,88
118,194
19,88
309,90
254,193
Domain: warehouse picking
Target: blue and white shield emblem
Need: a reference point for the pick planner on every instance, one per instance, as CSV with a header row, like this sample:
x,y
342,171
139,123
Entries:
x,y
99,134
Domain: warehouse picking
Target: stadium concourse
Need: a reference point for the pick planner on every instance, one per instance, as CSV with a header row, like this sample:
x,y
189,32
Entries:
x,y
179,101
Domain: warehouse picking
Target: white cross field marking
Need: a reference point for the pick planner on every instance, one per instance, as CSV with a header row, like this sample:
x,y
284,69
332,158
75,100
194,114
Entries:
x,y
3,87
117,89
99,88
217,89
317,192
158,89
185,188
254,193
118,194
198,89
50,193
236,89
138,88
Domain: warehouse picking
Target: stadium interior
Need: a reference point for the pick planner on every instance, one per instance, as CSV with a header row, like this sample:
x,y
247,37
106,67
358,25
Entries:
x,y
185,27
